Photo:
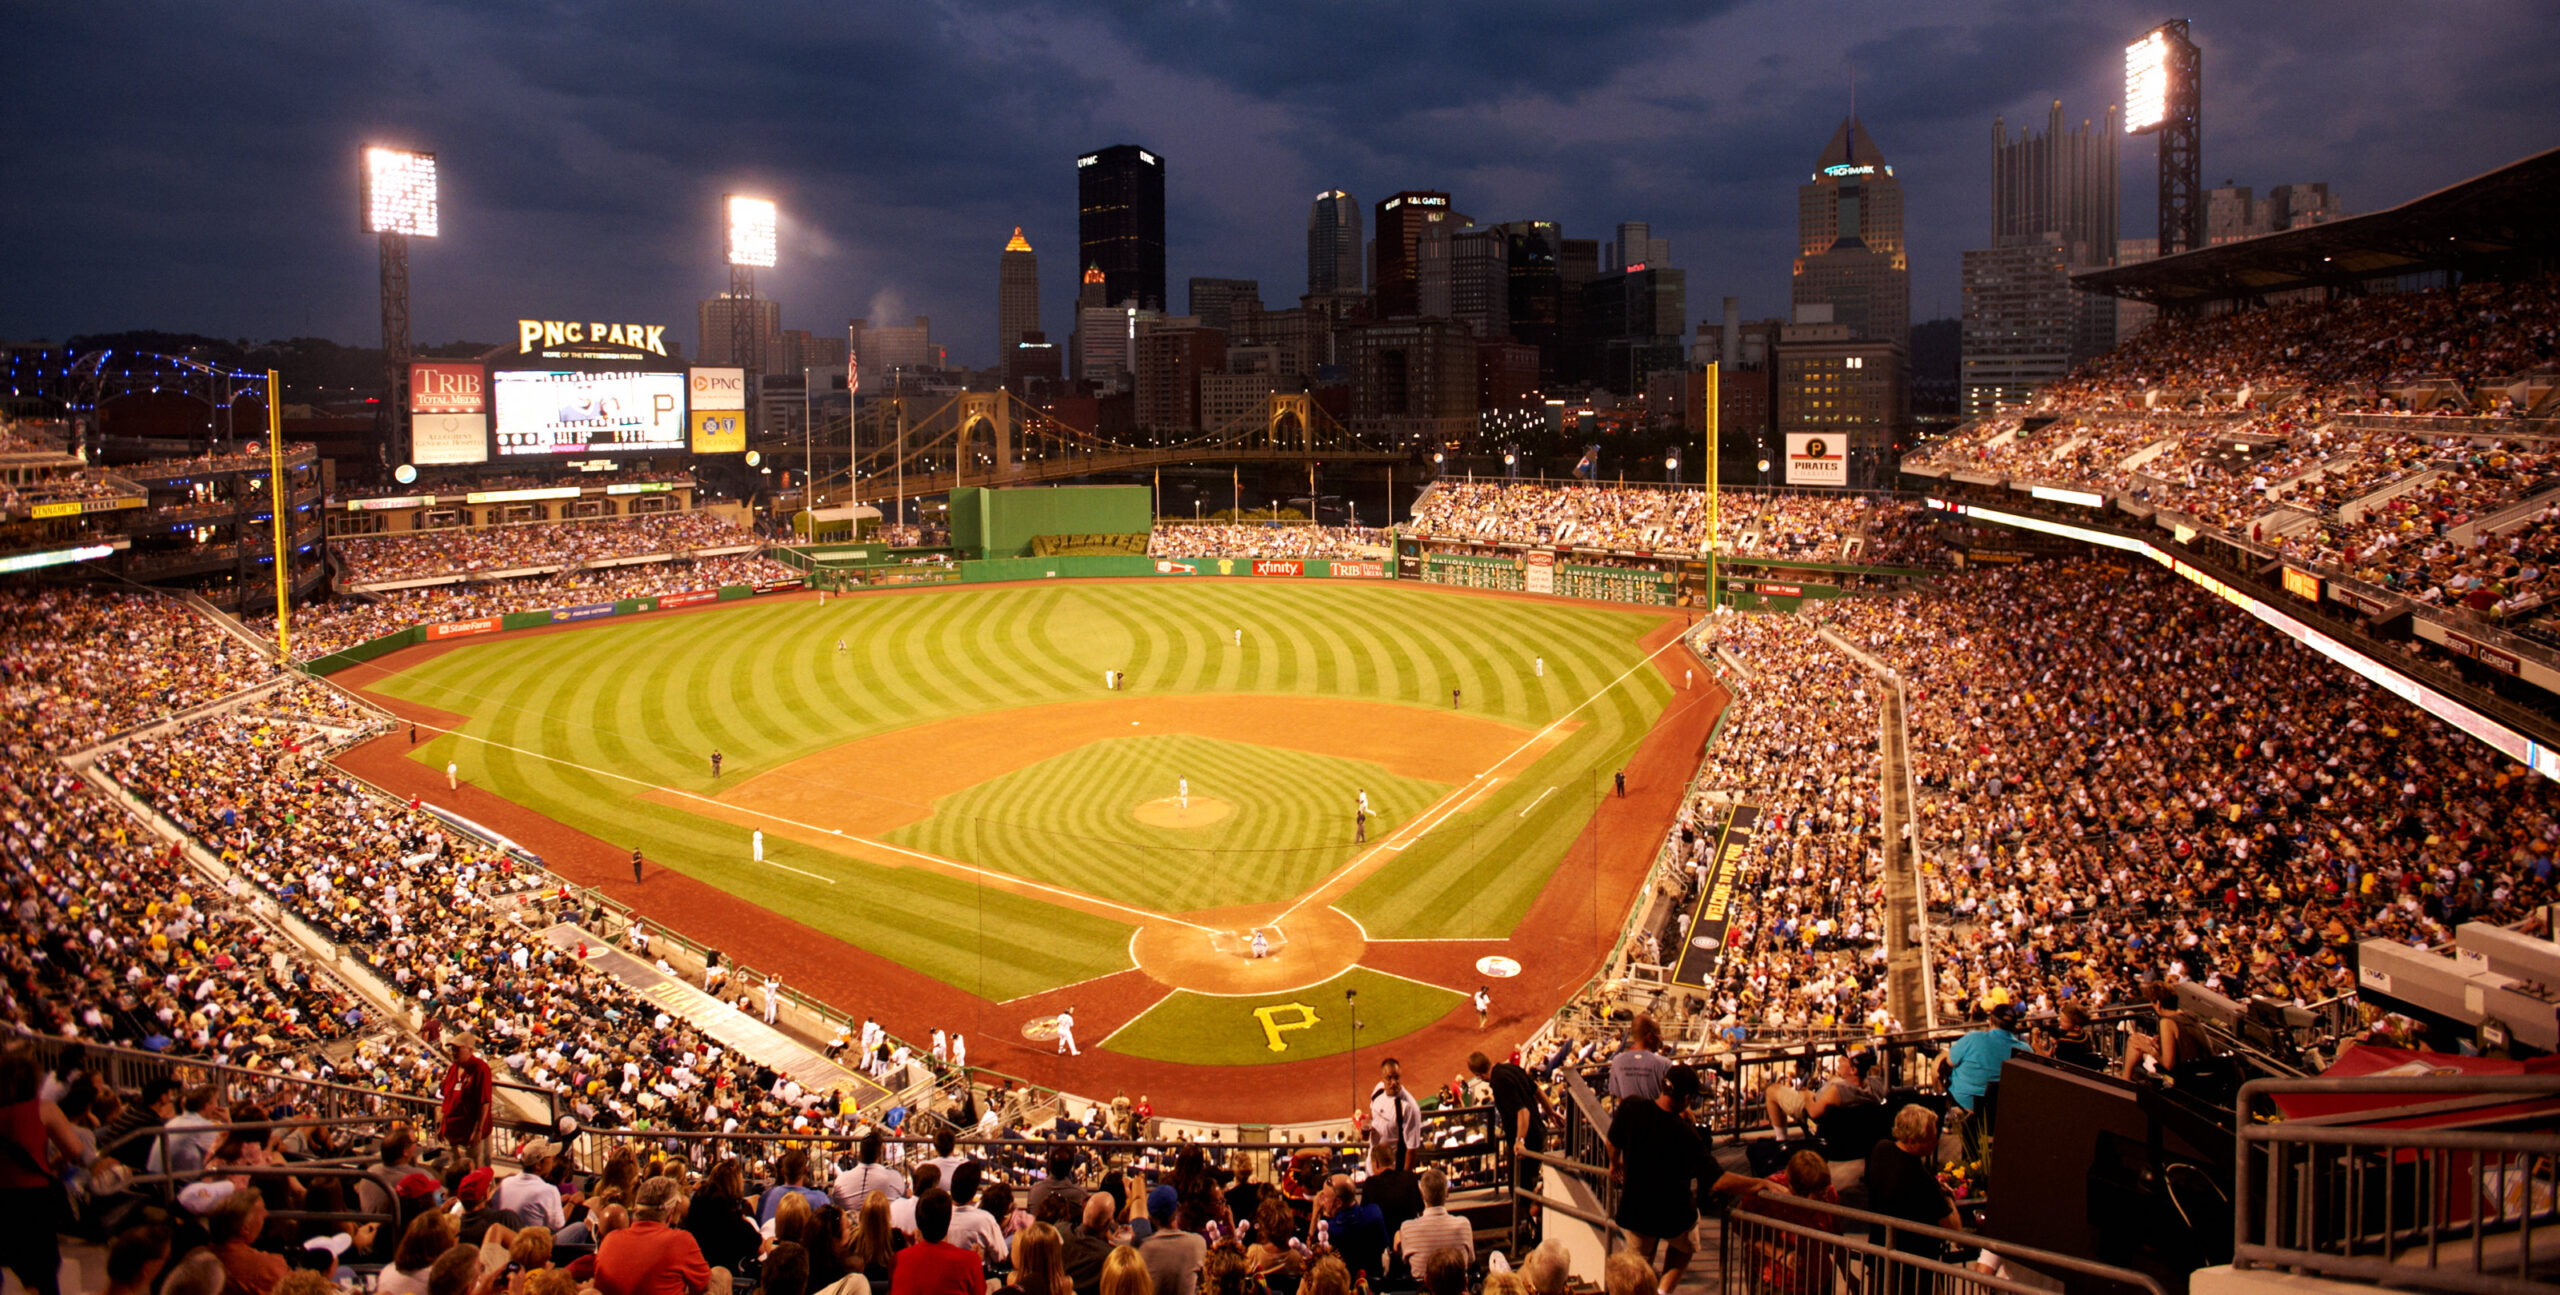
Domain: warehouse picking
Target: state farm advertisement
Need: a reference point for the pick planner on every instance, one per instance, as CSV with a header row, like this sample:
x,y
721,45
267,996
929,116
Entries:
x,y
444,388
1279,568
455,629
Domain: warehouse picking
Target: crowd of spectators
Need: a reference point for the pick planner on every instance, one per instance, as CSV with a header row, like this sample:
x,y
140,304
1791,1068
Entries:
x,y
324,627
373,559
1806,527
1226,540
76,666
2345,352
2122,784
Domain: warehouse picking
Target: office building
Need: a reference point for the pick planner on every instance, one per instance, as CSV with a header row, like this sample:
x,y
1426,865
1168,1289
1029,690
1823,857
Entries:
x,y
1634,319
1214,301
2232,213
1335,245
1535,254
1635,247
1849,250
1120,223
2133,316
1236,399
1577,264
1401,221
2060,183
1017,294
2019,309
885,350
1831,381
1031,364
1413,381
713,317
1172,355
1506,375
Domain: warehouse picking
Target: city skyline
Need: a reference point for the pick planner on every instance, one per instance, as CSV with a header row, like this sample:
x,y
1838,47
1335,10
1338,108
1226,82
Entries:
x,y
583,179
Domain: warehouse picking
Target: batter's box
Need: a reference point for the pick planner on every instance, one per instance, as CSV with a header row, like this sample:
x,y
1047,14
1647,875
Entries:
x,y
1250,942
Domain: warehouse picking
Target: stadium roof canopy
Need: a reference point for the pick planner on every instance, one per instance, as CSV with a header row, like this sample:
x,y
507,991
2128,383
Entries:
x,y
2473,227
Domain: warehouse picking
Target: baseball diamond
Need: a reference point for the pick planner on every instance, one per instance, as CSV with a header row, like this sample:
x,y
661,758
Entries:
x,y
963,826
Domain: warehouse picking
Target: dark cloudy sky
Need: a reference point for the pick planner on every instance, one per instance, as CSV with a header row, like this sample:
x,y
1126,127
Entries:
x,y
191,165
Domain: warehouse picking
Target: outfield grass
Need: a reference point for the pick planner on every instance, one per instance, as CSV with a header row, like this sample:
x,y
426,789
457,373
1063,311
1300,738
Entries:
x,y
1067,821
575,725
1214,1030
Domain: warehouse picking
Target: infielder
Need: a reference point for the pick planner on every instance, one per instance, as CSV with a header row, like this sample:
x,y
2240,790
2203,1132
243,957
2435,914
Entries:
x,y
1186,792
1067,1033
759,845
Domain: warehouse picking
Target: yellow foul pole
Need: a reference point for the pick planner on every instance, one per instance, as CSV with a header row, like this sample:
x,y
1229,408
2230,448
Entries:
x,y
278,500
1715,525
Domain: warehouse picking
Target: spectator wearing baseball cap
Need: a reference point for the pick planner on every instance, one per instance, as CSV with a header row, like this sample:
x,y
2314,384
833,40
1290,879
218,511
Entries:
x,y
530,1198
1974,1061
653,1256
480,1211
1173,1255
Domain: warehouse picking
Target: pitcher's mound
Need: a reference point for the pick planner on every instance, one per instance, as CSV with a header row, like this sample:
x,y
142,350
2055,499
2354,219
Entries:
x,y
1171,812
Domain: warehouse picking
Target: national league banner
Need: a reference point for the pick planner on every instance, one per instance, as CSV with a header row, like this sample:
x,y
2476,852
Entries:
x,y
1817,459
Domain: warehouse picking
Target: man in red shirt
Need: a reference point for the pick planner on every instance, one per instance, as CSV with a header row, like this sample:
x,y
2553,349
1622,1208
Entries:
x,y
235,1225
469,1101
933,1266
652,1256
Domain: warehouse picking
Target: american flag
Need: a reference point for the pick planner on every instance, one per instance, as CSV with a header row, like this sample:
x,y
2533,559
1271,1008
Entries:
x,y
852,370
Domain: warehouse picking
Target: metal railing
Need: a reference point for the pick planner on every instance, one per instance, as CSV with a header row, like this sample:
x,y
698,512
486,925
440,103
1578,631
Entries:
x,y
128,1069
2438,1208
1757,1251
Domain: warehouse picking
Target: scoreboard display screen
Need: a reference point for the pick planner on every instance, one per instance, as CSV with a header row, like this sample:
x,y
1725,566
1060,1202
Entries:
x,y
543,412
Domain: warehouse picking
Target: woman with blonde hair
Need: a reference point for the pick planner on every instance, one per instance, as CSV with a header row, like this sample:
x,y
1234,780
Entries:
x,y
1327,1276
1124,1273
1039,1263
875,1243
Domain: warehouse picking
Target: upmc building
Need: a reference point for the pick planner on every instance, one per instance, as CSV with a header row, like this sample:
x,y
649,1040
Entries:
x,y
573,388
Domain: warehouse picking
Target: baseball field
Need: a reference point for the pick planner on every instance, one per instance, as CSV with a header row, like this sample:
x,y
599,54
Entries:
x,y
929,806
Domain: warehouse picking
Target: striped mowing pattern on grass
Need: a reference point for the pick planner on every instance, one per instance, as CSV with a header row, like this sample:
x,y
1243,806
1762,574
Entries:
x,y
763,683
1067,821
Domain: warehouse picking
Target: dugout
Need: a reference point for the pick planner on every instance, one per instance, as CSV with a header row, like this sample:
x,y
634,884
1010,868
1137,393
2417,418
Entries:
x,y
1001,522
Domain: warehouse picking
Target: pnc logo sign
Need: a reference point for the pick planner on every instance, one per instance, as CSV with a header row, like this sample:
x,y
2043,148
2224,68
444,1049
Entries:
x,y
711,384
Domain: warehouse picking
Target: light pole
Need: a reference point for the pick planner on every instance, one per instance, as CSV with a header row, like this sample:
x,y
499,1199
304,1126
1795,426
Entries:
x,y
1671,468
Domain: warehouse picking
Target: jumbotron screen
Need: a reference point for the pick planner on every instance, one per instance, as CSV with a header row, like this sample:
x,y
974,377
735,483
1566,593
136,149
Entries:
x,y
549,411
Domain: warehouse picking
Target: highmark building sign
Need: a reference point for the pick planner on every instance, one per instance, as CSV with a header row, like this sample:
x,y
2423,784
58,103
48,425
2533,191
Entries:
x,y
537,334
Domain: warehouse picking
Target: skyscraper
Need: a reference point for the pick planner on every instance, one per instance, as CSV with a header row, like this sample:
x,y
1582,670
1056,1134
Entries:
x,y
1401,220
1120,222
2053,215
1334,245
1849,252
1017,293
1214,301
1635,246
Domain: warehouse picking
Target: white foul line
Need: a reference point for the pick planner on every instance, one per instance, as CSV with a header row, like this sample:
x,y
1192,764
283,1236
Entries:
x,y
1524,810
1534,738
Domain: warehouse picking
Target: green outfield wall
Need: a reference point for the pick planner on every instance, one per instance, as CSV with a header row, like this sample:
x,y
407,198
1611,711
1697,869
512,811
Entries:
x,y
1001,522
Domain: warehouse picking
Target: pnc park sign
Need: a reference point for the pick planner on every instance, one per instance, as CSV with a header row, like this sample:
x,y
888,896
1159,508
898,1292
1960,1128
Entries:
x,y
537,334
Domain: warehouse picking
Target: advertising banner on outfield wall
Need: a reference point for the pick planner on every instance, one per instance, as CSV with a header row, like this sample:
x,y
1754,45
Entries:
x,y
780,586
1817,460
560,615
1361,570
1541,573
448,438
1169,568
455,629
688,599
1409,566
1278,568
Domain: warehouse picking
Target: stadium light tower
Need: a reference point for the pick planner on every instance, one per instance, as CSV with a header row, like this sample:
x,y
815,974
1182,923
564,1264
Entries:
x,y
2164,95
753,241
399,200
